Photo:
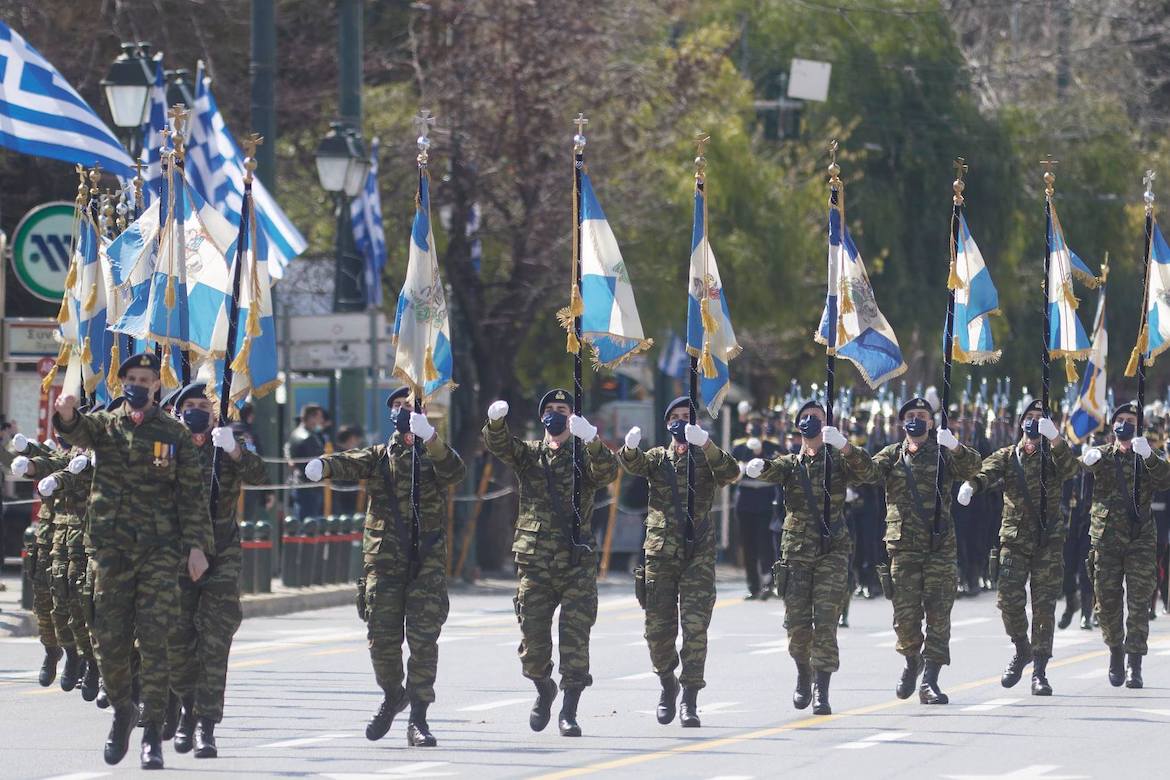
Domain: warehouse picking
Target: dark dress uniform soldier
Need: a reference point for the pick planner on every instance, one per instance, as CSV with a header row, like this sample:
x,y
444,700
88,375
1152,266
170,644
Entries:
x,y
552,573
679,577
397,599
1031,557
1123,539
923,556
813,571
1078,585
147,513
754,506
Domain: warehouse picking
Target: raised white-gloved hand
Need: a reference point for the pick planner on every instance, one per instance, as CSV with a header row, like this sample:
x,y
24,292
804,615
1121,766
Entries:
x,y
696,435
755,467
47,485
421,427
20,466
966,490
633,437
744,407
1142,447
580,427
1048,429
1091,456
223,438
52,444
78,464
314,469
20,442
498,410
755,445
833,437
947,439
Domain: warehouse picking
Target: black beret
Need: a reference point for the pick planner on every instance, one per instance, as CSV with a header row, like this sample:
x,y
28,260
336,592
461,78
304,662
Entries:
x,y
169,398
915,403
557,396
810,404
1036,406
401,392
141,360
1128,407
682,400
113,405
193,390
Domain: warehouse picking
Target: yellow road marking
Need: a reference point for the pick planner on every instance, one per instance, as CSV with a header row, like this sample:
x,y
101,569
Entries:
x,y
41,691
338,650
248,664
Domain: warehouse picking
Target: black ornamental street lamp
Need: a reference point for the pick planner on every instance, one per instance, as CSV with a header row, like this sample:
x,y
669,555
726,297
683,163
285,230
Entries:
x,y
342,168
127,89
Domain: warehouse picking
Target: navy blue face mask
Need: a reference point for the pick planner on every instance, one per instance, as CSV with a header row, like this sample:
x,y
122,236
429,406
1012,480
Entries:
x,y
554,422
1124,431
137,396
401,419
678,429
1032,428
915,427
196,420
809,426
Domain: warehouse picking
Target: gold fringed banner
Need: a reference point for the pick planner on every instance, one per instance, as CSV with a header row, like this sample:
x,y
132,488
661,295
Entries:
x,y
958,353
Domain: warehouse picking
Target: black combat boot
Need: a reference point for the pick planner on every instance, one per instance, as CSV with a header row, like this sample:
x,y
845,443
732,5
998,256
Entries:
x,y
185,732
418,733
1070,607
71,672
49,666
1015,667
91,680
667,699
1086,624
567,721
821,694
118,741
103,698
152,757
171,719
546,694
928,691
843,621
909,677
1116,667
1040,686
205,739
384,717
802,695
688,716
1133,676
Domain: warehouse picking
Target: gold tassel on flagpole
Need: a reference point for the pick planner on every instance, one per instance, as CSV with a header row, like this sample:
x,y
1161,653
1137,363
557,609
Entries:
x,y
1070,370
842,336
71,277
91,299
846,300
710,325
86,353
1070,296
706,362
430,371
112,381
1092,384
170,296
167,374
953,280
62,359
63,312
1132,366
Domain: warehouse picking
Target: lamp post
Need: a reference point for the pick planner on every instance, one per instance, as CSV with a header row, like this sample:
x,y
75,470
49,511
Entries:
x,y
127,90
342,167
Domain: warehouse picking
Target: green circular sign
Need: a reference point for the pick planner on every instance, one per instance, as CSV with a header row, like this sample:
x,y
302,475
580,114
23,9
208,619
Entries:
x,y
42,249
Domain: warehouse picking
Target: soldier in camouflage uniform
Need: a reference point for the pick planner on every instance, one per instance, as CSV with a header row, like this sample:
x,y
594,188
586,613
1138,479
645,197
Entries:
x,y
148,511
397,595
1123,542
813,572
921,547
1031,555
679,572
555,568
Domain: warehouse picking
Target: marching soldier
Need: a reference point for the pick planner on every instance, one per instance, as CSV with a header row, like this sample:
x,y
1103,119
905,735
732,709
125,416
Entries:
x,y
921,547
1123,538
679,574
398,595
813,572
1078,585
554,572
148,512
1031,554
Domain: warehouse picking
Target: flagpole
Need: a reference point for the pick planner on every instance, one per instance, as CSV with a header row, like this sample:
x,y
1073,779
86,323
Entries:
x,y
1143,335
693,377
423,121
1045,357
576,307
836,189
179,116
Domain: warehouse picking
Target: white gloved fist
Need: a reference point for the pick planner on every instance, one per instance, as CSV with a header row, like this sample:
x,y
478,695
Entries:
x,y
20,442
966,490
696,435
633,437
421,427
1142,447
20,465
580,427
223,438
78,464
755,445
1091,456
947,439
52,444
755,467
47,485
833,437
743,408
1048,429
498,410
314,469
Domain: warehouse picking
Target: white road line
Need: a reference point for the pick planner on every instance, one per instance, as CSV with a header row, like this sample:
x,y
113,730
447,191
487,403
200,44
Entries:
x,y
417,769
719,706
493,705
875,739
987,706
769,651
638,676
80,776
304,741
732,777
1163,713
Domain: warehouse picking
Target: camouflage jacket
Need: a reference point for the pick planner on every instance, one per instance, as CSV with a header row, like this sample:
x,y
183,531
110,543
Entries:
x,y
72,495
545,522
148,487
910,523
387,471
233,475
666,470
1110,517
1012,469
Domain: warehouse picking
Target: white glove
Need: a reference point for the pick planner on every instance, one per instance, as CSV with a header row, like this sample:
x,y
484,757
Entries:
x,y
1090,457
755,467
52,444
498,410
696,435
20,465
966,490
314,469
421,427
1142,447
947,439
46,486
580,427
1048,429
633,437
20,442
755,445
744,407
223,438
833,437
78,464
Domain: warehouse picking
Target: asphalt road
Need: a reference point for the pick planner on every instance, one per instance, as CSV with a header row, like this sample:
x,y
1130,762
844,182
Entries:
x,y
300,690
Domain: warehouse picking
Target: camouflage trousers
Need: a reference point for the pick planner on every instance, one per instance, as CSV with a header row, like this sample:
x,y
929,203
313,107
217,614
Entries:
x,y
200,638
42,586
1042,572
680,594
67,583
924,587
813,599
543,587
1124,612
398,609
135,595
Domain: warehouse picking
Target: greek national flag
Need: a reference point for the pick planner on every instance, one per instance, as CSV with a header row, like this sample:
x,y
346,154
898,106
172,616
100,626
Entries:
x,y
1158,297
84,326
710,337
1090,411
975,300
368,235
43,116
852,326
1066,335
130,262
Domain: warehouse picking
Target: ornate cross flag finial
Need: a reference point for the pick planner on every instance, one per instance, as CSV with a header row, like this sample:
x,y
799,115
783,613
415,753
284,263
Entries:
x,y
834,168
1148,195
1049,176
959,185
423,123
701,141
579,136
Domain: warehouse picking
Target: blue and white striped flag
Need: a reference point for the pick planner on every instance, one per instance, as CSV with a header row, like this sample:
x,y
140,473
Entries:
x,y
83,317
132,258
1066,336
710,337
368,235
975,300
852,326
43,116
153,139
1157,330
1090,412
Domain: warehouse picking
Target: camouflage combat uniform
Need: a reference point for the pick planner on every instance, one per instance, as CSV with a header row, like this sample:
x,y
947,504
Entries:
x,y
69,559
49,604
394,603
